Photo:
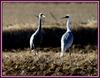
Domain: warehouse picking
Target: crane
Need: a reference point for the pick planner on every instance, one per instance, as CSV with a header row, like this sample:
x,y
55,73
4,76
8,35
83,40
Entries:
x,y
67,37
37,37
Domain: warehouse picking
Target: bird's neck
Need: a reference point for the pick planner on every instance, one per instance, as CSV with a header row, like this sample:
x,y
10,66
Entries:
x,y
39,24
68,25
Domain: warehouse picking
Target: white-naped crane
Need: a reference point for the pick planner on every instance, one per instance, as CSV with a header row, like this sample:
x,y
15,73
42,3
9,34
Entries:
x,y
37,37
67,37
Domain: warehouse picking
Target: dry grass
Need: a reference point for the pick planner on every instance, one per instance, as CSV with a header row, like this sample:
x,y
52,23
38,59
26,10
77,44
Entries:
x,y
47,62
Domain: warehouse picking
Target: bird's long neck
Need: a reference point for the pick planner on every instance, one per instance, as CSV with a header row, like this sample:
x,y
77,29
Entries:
x,y
39,23
68,24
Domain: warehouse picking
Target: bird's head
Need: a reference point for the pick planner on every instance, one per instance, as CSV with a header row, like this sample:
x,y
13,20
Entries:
x,y
69,20
67,16
41,15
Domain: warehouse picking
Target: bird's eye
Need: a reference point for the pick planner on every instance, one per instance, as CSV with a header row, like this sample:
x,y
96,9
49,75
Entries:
x,y
41,14
67,16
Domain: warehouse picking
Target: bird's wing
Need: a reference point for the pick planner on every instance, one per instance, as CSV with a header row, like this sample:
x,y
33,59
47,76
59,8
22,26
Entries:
x,y
68,39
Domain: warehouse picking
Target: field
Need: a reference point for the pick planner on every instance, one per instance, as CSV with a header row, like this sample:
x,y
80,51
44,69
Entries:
x,y
20,21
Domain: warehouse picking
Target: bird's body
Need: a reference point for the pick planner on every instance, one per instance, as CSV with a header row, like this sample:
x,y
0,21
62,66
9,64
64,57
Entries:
x,y
67,38
37,37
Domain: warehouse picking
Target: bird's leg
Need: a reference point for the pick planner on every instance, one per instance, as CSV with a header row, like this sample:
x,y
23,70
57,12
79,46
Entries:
x,y
30,50
36,52
61,57
62,53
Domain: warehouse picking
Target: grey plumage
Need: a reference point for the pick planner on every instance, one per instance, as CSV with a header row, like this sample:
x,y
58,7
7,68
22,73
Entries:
x,y
67,37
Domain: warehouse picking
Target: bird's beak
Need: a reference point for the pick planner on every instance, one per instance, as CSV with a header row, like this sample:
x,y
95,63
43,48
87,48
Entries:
x,y
43,16
63,17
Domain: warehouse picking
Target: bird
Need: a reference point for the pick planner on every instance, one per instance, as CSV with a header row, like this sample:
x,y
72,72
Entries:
x,y
67,37
37,37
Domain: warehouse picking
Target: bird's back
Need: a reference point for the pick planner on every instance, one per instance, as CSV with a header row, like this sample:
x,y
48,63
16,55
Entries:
x,y
66,41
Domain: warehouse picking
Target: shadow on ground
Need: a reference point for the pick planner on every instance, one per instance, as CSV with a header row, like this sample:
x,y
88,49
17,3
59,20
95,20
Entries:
x,y
20,38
